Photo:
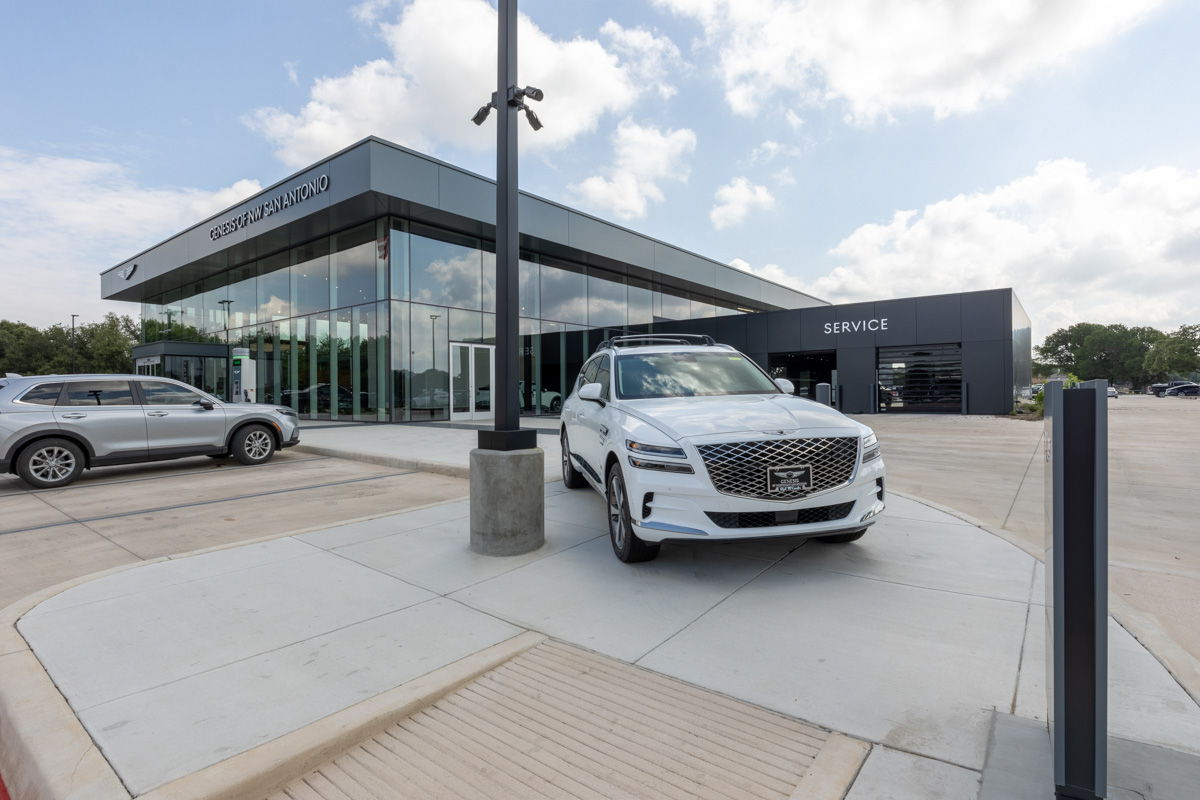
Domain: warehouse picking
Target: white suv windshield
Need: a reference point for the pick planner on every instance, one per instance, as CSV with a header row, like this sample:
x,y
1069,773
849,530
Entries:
x,y
689,375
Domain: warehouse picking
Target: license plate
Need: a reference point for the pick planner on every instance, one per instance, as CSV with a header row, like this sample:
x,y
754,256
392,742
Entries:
x,y
789,479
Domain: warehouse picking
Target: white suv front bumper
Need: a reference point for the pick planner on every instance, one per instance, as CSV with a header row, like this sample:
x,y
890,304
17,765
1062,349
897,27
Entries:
x,y
686,507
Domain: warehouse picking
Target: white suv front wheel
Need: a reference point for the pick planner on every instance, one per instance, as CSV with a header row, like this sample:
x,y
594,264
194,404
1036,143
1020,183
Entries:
x,y
625,543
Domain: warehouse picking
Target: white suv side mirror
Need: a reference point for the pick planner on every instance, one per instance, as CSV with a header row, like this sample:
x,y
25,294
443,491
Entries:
x,y
591,391
785,385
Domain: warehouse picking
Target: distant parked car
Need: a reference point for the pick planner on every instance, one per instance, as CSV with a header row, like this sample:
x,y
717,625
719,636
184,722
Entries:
x,y
1161,389
1187,390
53,427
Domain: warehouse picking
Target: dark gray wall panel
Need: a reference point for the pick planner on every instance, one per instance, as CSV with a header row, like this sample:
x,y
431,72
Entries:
x,y
985,315
593,236
851,315
756,332
989,384
901,316
681,264
783,331
743,284
856,376
542,220
760,359
400,174
812,328
733,331
467,195
939,319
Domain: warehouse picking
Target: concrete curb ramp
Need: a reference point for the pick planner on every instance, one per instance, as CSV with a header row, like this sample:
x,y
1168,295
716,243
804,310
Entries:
x,y
560,722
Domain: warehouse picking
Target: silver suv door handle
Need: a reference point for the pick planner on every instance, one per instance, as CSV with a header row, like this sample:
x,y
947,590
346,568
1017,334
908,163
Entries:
x,y
604,430
156,413
75,415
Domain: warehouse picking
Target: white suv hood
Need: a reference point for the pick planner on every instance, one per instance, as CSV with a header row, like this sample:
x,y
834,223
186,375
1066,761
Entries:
x,y
688,417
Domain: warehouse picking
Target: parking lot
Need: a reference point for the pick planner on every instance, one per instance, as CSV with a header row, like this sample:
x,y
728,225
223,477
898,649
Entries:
x,y
119,515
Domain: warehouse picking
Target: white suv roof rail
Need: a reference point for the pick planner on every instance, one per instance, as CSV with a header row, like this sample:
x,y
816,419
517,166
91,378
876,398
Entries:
x,y
657,340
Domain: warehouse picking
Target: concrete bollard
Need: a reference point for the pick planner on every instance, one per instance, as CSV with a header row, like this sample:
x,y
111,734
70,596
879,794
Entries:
x,y
823,394
508,502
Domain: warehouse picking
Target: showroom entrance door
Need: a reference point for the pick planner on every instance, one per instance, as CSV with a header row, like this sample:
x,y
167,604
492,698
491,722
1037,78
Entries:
x,y
472,367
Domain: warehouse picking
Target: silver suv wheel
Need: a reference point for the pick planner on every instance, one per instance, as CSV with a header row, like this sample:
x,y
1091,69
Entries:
x,y
50,463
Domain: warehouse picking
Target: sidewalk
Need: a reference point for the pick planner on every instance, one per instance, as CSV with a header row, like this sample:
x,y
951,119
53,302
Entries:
x,y
920,640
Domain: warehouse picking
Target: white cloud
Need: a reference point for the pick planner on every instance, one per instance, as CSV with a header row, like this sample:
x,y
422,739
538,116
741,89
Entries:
x,y
290,68
643,158
369,11
770,272
650,58
882,57
65,220
441,68
794,121
784,177
736,199
1122,249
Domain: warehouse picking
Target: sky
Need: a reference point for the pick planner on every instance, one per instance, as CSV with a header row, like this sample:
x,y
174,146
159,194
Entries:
x,y
852,149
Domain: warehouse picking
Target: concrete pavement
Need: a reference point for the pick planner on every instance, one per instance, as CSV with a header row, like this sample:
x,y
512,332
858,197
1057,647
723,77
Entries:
x,y
914,640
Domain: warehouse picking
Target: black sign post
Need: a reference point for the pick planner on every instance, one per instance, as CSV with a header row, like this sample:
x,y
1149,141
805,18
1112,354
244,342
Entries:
x,y
1076,555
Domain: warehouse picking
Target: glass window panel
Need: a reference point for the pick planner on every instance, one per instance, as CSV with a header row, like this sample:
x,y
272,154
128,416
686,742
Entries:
x,y
310,278
295,390
489,279
216,293
489,329
191,312
398,258
430,391
640,306
530,344
401,382
152,320
466,326
274,288
563,295
99,393
700,310
460,379
446,271
924,378
529,291
353,267
243,297
364,384
341,393
320,347
607,302
674,307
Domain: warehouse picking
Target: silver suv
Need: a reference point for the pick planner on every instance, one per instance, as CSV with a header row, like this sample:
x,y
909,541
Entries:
x,y
52,427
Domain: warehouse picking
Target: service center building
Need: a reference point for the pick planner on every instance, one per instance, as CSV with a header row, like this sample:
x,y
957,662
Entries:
x,y
364,289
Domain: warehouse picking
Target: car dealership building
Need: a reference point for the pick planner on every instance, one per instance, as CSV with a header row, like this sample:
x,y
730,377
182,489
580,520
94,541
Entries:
x,y
364,289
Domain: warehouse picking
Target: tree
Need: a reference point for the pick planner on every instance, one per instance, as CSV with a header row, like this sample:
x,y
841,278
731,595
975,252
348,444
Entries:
x,y
1113,352
105,346
1177,354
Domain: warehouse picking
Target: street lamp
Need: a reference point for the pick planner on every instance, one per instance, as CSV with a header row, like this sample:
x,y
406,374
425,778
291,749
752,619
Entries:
x,y
507,468
73,316
225,312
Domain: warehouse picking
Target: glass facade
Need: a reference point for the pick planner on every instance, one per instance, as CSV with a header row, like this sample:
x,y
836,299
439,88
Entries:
x,y
364,324
921,378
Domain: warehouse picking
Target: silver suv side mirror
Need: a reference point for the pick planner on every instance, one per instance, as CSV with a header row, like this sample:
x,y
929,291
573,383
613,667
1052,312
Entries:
x,y
785,385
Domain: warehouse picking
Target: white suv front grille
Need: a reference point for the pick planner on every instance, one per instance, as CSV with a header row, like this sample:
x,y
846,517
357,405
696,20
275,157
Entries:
x,y
740,468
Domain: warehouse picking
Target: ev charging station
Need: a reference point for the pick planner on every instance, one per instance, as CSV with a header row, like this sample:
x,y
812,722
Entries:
x,y
1076,555
244,379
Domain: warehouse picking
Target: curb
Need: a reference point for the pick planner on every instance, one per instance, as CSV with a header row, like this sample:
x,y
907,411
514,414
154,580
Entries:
x,y
1180,664
260,772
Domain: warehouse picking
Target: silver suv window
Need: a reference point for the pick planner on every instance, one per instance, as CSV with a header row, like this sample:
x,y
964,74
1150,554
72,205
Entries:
x,y
689,375
159,393
99,393
44,394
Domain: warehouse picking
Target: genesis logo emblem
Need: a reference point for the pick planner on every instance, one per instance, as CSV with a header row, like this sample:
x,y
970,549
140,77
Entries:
x,y
127,272
796,474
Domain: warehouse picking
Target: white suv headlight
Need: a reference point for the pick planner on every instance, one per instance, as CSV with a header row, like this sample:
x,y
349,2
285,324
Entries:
x,y
870,447
656,450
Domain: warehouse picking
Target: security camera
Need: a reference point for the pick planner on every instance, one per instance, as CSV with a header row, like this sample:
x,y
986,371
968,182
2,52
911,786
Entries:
x,y
534,122
482,114
532,93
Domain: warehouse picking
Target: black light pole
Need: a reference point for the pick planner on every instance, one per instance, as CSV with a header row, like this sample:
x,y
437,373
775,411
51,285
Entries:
x,y
73,316
507,101
507,469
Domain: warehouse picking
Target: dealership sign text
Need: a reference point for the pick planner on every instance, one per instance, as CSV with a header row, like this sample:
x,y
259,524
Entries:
x,y
267,208
857,325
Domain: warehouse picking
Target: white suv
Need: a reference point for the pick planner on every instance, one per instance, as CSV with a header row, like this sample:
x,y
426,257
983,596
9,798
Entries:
x,y
690,440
